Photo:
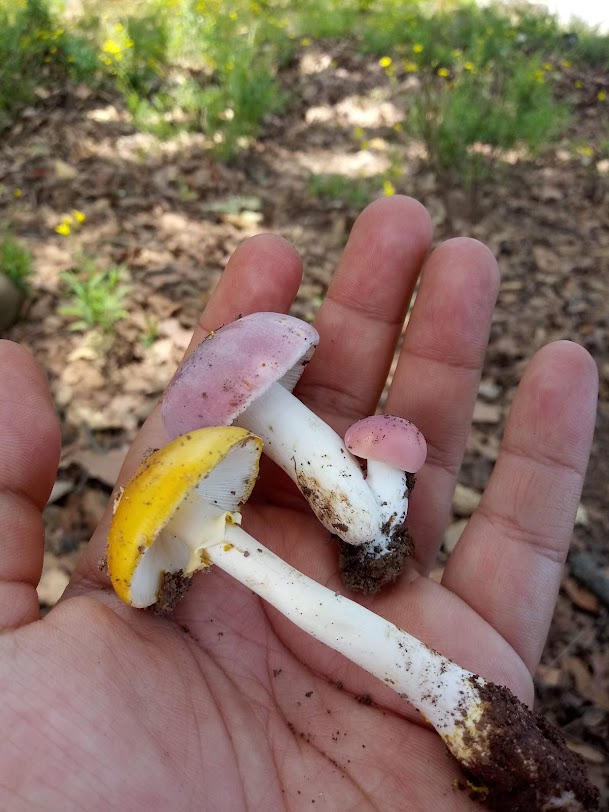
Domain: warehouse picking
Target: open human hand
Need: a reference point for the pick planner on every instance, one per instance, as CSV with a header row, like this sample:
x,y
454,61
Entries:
x,y
225,705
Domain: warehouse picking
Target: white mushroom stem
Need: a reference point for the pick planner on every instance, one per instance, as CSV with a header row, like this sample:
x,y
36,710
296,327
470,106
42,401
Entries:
x,y
442,691
390,490
316,459
446,695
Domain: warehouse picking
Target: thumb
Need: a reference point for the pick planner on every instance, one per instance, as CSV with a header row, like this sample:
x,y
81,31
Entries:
x,y
29,453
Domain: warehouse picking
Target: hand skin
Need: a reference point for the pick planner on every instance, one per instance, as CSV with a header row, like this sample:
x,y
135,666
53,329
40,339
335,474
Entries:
x,y
224,705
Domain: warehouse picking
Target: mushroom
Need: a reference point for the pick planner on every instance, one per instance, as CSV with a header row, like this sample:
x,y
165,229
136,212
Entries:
x,y
244,373
394,450
179,514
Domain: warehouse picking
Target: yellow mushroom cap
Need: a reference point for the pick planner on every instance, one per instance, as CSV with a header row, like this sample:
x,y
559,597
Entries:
x,y
202,477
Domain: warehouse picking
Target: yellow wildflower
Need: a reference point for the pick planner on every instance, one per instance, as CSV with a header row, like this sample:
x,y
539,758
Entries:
x,y
579,84
63,229
587,151
601,96
444,72
417,48
388,188
111,47
79,216
565,63
547,66
17,192
305,42
385,61
410,67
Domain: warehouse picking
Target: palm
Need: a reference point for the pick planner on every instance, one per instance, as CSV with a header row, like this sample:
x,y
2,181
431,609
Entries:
x,y
225,705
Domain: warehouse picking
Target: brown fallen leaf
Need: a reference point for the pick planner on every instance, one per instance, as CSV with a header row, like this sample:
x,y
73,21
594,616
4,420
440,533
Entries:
x,y
587,752
585,683
487,412
580,596
103,466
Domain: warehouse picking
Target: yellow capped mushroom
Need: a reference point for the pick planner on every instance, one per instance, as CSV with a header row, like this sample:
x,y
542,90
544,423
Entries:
x,y
178,503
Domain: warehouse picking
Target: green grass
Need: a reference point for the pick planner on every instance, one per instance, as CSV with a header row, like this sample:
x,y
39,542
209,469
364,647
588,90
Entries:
x,y
15,261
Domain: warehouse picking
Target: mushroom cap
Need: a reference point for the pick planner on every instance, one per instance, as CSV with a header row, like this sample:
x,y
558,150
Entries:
x,y
220,465
392,440
233,366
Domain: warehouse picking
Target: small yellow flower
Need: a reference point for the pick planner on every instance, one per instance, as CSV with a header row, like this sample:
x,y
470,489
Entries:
x,y
565,63
410,67
79,216
305,42
119,27
397,127
457,53
469,66
547,66
111,47
233,16
388,188
587,152
17,192
601,96
417,48
385,61
358,133
63,229
444,72
579,84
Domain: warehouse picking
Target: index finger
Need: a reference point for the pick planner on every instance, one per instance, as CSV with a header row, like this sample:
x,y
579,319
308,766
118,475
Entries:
x,y
361,318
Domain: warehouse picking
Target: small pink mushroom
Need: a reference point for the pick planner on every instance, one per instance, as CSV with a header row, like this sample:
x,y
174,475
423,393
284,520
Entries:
x,y
392,440
391,446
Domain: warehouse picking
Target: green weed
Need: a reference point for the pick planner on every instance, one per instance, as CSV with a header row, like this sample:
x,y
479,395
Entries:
x,y
15,261
355,193
96,296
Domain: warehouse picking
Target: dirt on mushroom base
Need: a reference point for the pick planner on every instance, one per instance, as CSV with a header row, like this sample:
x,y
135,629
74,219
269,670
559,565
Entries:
x,y
174,586
362,572
503,780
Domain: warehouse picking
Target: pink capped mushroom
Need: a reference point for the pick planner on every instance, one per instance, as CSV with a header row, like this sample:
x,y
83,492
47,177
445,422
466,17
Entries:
x,y
244,373
394,450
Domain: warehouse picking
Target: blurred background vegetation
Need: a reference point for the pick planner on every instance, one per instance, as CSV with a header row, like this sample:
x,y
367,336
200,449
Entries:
x,y
487,74
483,84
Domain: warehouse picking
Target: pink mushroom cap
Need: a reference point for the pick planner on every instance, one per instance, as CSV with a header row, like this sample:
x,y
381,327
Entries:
x,y
392,440
233,366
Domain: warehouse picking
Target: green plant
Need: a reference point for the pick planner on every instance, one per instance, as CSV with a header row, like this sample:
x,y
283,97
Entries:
x,y
15,261
150,333
470,117
97,296
353,192
36,50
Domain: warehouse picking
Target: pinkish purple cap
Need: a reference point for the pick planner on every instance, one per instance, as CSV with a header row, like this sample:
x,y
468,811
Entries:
x,y
392,440
233,366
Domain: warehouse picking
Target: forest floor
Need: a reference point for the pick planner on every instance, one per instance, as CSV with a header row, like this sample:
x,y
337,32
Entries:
x,y
173,215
